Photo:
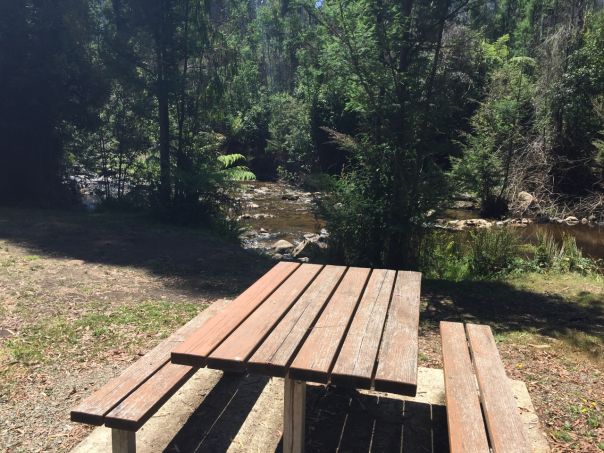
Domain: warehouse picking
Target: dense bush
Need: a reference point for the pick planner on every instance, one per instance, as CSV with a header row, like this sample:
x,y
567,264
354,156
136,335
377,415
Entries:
x,y
493,253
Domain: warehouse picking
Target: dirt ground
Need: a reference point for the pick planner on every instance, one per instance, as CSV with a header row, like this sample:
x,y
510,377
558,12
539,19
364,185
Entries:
x,y
84,295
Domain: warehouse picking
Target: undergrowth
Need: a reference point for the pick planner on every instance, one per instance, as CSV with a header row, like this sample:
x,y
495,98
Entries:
x,y
492,253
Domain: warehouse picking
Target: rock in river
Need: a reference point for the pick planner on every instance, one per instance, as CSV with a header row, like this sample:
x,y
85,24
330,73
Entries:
x,y
283,246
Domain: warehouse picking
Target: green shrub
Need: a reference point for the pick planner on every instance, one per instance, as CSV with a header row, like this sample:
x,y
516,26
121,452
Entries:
x,y
564,257
442,256
492,251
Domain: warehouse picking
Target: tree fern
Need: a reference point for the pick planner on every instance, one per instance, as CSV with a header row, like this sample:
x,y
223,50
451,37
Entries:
x,y
234,172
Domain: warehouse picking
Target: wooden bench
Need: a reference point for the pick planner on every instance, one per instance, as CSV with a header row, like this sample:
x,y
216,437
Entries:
x,y
126,402
482,413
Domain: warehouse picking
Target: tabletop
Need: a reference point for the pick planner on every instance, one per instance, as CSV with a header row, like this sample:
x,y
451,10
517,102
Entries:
x,y
347,326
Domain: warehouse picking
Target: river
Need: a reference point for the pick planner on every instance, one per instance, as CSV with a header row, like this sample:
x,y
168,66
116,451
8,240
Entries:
x,y
274,211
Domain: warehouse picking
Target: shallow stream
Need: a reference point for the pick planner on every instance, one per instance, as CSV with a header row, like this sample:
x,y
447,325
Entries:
x,y
274,211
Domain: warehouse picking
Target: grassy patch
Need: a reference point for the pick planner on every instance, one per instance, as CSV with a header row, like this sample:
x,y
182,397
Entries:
x,y
126,328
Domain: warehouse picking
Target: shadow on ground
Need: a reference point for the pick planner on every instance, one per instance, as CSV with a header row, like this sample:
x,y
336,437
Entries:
x,y
507,308
336,420
193,260
197,261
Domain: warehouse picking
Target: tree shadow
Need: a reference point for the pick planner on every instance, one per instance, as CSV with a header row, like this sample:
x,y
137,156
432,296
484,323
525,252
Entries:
x,y
507,308
192,260
219,417
345,420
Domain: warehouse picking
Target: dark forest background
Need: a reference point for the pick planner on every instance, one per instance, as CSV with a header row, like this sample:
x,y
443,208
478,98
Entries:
x,y
390,107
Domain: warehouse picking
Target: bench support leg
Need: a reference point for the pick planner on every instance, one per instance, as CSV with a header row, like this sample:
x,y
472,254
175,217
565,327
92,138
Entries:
x,y
294,415
123,441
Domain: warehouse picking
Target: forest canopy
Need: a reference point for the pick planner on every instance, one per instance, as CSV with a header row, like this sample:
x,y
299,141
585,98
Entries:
x,y
404,104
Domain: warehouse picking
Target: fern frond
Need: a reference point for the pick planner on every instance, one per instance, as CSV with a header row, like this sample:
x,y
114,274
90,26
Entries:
x,y
228,160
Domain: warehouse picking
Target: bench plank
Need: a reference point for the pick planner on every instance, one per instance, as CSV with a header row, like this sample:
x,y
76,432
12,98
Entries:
x,y
504,424
278,350
466,427
397,359
356,361
317,355
140,405
96,406
205,341
239,345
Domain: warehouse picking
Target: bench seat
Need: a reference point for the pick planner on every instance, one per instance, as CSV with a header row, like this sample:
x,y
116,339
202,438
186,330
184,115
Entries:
x,y
482,414
127,401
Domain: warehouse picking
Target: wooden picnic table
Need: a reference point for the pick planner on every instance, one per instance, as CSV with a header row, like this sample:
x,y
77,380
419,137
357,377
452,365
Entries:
x,y
348,326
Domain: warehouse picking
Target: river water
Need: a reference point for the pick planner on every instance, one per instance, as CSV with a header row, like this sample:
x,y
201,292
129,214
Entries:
x,y
274,211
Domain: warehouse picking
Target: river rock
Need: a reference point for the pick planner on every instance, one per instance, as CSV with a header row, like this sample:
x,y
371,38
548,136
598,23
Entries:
x,y
308,249
290,196
571,220
477,223
525,200
283,246
262,216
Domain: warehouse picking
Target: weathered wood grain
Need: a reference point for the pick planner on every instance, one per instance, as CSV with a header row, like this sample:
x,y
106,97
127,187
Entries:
x,y
277,351
123,441
356,361
198,346
233,352
316,356
139,406
501,412
397,359
467,432
93,409
294,416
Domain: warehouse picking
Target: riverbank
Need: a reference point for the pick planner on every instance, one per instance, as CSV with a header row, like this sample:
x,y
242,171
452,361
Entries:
x,y
276,211
71,282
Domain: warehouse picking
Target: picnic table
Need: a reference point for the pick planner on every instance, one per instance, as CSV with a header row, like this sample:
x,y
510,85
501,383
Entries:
x,y
348,326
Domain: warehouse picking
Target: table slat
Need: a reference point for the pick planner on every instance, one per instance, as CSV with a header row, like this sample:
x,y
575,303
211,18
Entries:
x,y
356,361
278,349
397,360
467,433
194,350
501,413
239,345
316,357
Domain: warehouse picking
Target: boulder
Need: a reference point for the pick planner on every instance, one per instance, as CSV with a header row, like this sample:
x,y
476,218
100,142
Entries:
x,y
525,200
283,246
308,249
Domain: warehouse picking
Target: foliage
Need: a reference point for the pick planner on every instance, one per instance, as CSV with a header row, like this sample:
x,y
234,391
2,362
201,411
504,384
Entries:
x,y
501,128
289,128
562,257
492,251
489,253
396,154
443,257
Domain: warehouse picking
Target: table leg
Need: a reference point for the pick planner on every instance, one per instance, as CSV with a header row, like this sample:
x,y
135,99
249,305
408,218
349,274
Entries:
x,y
294,413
